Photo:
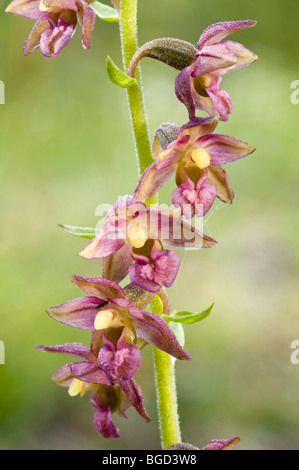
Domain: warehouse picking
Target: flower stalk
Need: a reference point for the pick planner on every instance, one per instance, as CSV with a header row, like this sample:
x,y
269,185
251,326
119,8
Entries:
x,y
163,363
129,44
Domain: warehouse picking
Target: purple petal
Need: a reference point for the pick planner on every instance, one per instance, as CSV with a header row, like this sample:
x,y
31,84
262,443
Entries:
x,y
243,55
185,197
183,91
212,59
78,350
56,38
173,153
221,103
194,201
206,196
63,377
134,394
223,58
167,265
108,241
98,287
222,444
102,419
87,19
201,94
79,313
223,149
89,372
216,32
61,4
27,9
152,277
153,329
152,180
116,266
143,277
121,362
217,176
205,126
33,40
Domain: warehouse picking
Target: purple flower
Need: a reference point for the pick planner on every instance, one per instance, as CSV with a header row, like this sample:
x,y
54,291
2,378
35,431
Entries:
x,y
56,22
155,269
110,394
105,307
130,224
194,198
199,155
198,85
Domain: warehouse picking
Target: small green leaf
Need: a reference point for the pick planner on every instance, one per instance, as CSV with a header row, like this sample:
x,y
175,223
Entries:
x,y
117,76
188,317
83,232
105,12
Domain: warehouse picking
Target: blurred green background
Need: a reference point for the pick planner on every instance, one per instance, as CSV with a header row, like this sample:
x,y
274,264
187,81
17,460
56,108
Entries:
x,y
66,147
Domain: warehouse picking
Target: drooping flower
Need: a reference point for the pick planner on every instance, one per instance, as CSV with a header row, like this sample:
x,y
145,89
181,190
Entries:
x,y
199,155
56,22
105,307
198,85
109,394
154,267
130,224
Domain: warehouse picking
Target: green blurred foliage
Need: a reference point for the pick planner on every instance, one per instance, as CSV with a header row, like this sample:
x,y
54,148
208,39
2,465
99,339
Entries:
x,y
66,147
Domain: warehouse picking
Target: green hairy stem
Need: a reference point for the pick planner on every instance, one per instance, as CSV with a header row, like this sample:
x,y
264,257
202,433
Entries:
x,y
163,363
128,33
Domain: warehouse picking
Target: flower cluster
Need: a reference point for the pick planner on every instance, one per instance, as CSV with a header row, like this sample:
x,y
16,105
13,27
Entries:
x,y
134,243
119,330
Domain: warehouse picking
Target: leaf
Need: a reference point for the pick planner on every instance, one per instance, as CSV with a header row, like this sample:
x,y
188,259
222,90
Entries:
x,y
117,76
83,232
105,12
188,318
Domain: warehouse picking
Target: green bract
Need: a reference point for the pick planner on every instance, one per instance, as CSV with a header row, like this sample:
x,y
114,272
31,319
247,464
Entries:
x,y
83,232
117,76
105,12
188,318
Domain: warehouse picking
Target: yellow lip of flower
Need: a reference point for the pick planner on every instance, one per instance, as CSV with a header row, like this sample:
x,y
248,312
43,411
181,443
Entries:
x,y
78,387
75,387
103,319
136,235
42,7
201,158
